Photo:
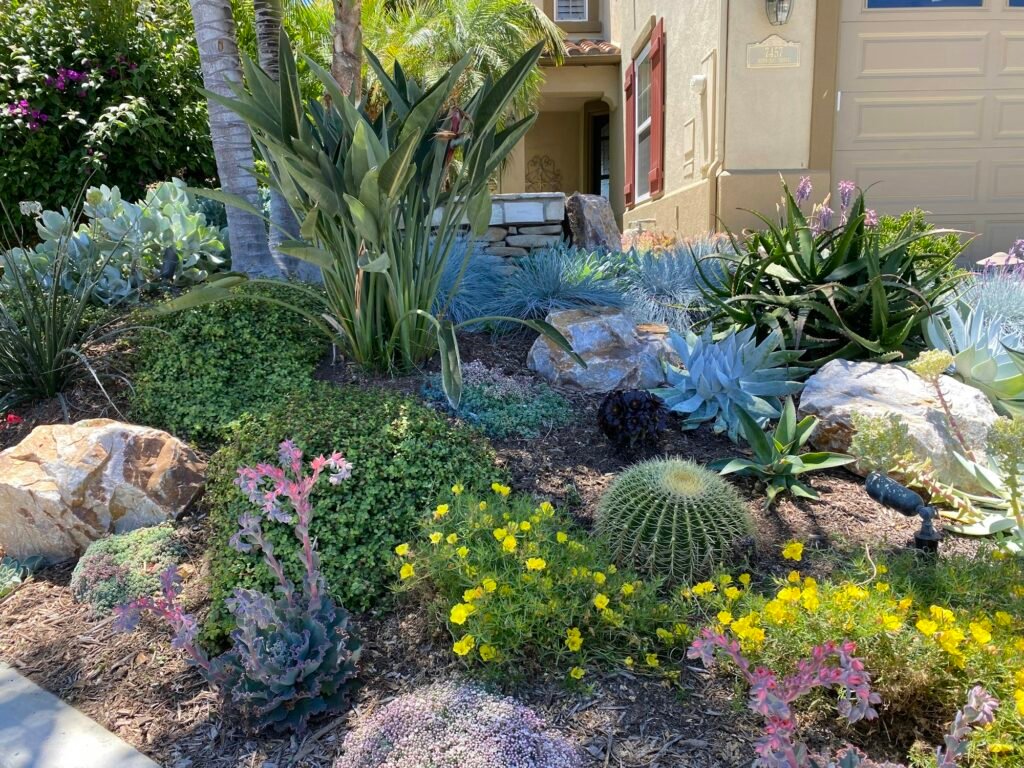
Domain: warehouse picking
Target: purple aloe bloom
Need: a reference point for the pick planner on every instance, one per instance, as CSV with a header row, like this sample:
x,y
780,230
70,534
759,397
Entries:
x,y
1017,249
846,189
871,218
804,190
822,218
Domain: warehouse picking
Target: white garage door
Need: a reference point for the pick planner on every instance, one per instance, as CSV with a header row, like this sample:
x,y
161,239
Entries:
x,y
931,111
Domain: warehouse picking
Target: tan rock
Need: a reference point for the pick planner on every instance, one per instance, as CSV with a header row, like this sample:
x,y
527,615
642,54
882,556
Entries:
x,y
65,486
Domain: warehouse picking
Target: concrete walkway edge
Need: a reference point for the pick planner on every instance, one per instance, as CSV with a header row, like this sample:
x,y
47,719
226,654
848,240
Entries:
x,y
38,730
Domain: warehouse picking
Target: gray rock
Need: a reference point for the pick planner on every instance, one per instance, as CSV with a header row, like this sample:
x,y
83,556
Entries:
x,y
618,353
532,241
547,229
502,250
494,234
64,486
592,222
842,388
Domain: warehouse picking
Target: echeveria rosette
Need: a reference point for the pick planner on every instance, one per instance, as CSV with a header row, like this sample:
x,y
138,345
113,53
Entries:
x,y
716,377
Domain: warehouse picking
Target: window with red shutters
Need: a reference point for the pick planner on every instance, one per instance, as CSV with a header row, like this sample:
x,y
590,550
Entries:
x,y
656,175
630,186
645,120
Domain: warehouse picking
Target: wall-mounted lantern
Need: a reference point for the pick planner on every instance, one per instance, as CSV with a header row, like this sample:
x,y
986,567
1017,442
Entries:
x,y
778,10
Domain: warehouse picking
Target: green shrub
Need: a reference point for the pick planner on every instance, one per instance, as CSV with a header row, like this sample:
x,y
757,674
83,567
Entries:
x,y
102,87
936,249
522,589
403,454
124,567
202,368
504,406
672,518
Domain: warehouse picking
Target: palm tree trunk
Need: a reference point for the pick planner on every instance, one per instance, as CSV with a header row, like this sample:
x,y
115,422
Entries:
x,y
232,143
268,16
347,61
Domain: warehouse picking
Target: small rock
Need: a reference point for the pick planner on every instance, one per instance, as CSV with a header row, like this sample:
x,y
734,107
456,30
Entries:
x,y
617,353
65,486
842,388
592,222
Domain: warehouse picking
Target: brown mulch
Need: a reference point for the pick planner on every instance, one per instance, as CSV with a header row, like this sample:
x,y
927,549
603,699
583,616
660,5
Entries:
x,y
140,688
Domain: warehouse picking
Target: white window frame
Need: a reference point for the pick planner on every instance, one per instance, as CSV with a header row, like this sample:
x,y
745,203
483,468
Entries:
x,y
641,126
574,19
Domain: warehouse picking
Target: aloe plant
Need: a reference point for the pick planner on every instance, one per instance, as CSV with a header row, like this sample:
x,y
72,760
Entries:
x,y
381,199
718,378
839,292
776,459
982,354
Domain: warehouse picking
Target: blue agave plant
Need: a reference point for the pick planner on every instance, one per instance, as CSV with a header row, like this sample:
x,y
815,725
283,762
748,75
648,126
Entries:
x,y
719,377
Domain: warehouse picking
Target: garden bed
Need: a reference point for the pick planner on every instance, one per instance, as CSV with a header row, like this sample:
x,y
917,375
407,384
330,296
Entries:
x,y
139,687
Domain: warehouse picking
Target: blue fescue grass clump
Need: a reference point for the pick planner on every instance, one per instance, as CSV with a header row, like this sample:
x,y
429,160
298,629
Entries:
x,y
998,293
482,275
504,406
560,278
663,286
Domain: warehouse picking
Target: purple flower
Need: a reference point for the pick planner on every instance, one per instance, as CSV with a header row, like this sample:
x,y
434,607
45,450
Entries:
x,y
822,218
1017,249
846,189
871,218
803,190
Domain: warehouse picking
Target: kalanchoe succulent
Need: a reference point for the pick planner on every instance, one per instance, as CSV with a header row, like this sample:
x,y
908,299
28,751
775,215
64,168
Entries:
x,y
292,655
632,419
452,725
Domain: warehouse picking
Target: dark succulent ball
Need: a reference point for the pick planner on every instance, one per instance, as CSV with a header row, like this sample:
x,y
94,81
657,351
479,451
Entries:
x,y
632,419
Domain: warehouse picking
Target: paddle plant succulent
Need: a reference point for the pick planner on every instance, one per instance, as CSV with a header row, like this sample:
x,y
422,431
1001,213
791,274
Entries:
x,y
382,200
292,655
717,378
776,459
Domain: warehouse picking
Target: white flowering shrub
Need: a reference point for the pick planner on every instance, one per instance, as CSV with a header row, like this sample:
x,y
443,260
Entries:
x,y
455,726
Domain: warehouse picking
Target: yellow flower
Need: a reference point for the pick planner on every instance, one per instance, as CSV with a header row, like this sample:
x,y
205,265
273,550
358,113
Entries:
x,y
1003,619
927,627
457,489
509,544
941,615
465,645
724,618
883,569
577,673
905,603
891,623
745,579
489,585
809,600
881,586
501,490
1018,697
627,589
499,534
652,660
1000,748
794,550
487,652
407,571
402,550
462,552
732,593
561,537
725,579
601,601
482,506
612,569
441,511
628,661
704,588
536,564
472,594
546,507
573,639
599,578
789,594
793,577
460,612
435,537
452,538
980,633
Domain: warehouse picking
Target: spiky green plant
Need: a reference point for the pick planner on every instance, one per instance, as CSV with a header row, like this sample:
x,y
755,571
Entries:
x,y
673,518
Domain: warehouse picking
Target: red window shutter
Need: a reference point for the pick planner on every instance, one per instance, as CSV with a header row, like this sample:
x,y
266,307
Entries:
x,y
630,186
657,174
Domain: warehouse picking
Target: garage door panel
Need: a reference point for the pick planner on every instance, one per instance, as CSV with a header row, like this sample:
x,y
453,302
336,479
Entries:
x,y
931,111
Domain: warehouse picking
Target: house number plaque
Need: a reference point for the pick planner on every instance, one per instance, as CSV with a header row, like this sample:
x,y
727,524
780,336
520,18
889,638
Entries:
x,y
773,53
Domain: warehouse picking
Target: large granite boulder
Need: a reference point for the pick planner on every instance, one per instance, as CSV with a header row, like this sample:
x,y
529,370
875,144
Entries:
x,y
592,222
65,486
619,354
842,388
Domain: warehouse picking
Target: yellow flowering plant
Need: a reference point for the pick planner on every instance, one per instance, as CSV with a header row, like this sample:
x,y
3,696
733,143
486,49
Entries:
x,y
524,589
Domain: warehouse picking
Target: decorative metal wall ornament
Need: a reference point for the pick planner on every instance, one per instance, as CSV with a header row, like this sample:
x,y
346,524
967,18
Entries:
x,y
778,11
542,175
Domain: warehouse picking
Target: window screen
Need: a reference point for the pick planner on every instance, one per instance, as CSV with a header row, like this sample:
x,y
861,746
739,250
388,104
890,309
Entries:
x,y
571,10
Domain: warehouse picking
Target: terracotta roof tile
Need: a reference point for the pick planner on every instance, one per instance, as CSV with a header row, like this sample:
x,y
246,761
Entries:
x,y
578,48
